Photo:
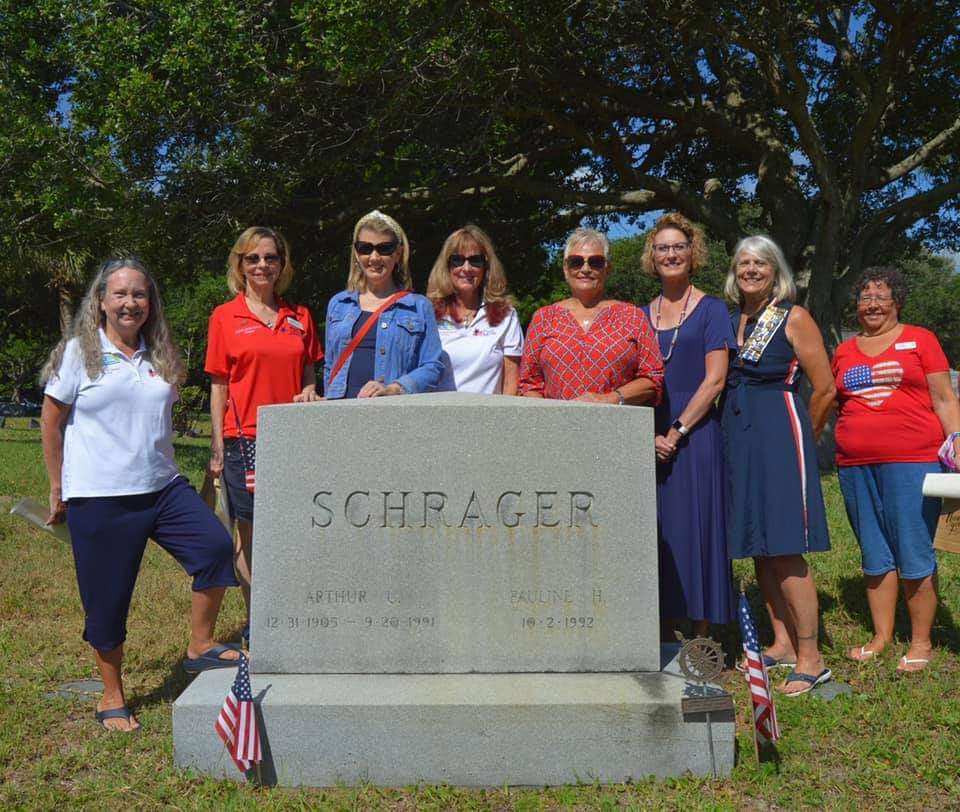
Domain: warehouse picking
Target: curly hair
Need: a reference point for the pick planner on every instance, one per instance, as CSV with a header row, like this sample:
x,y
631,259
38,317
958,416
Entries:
x,y
378,221
236,281
163,351
889,276
763,247
693,233
440,284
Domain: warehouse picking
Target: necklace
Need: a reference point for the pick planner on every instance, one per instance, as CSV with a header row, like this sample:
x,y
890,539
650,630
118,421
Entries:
x,y
676,331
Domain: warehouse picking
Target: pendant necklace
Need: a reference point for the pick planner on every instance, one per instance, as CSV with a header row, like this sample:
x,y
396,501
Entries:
x,y
676,331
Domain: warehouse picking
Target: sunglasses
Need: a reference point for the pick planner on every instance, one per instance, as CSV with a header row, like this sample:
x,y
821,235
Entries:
x,y
364,249
254,259
574,262
475,260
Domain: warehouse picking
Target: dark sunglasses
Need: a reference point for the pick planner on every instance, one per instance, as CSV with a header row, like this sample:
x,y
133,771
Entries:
x,y
364,249
475,260
574,262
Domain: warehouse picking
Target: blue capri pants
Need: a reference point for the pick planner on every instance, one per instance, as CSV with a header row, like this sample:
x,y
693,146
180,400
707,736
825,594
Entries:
x,y
892,519
109,535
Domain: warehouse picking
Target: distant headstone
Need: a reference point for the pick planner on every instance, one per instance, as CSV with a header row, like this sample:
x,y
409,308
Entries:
x,y
461,589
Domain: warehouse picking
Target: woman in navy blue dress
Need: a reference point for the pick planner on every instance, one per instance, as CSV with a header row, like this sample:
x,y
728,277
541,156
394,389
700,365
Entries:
x,y
695,338
775,511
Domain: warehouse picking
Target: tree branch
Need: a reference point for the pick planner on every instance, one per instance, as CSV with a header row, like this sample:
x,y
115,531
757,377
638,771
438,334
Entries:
x,y
917,157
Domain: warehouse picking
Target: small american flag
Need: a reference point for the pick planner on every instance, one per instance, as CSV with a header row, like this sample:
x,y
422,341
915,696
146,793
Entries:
x,y
874,383
765,727
237,722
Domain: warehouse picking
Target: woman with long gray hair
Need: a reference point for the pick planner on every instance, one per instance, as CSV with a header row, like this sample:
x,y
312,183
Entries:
x,y
774,506
107,435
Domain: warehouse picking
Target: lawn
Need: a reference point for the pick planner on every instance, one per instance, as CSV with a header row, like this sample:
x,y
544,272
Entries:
x,y
892,742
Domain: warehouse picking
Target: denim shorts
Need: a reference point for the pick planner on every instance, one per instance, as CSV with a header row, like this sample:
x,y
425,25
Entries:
x,y
239,499
892,519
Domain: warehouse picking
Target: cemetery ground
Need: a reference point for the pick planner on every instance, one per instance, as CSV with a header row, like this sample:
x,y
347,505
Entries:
x,y
894,741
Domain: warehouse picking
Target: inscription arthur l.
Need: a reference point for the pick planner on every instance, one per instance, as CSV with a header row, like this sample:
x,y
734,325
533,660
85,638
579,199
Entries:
x,y
409,509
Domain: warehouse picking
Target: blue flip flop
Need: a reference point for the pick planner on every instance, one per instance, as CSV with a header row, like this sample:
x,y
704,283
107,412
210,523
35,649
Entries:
x,y
122,712
812,681
209,660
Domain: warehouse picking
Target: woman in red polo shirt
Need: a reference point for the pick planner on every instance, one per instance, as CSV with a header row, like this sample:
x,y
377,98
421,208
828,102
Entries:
x,y
260,350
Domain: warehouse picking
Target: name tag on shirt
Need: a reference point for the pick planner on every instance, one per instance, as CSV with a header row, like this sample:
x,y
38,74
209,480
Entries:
x,y
295,323
905,345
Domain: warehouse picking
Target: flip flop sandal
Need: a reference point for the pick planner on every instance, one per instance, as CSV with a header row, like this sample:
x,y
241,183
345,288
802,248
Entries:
x,y
863,655
812,681
904,660
115,713
210,660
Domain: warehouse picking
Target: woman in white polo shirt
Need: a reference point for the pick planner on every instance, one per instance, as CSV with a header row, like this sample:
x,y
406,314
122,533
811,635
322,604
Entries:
x,y
479,328
108,447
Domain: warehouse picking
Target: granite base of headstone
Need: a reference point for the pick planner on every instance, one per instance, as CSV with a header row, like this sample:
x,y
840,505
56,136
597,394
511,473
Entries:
x,y
457,589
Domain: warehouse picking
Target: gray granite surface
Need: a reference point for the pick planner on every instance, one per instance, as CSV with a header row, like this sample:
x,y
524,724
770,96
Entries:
x,y
452,533
459,729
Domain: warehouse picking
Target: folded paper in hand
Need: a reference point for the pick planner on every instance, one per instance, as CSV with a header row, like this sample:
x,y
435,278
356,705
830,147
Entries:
x,y
36,514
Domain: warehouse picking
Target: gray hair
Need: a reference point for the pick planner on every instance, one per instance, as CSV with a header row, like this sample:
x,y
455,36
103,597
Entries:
x,y
763,247
164,354
584,235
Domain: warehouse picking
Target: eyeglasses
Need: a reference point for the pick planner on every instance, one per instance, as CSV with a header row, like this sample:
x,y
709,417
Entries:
x,y
384,249
574,262
665,248
474,260
869,298
252,260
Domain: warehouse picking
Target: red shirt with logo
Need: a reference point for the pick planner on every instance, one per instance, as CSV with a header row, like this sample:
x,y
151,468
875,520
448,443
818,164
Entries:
x,y
886,412
261,365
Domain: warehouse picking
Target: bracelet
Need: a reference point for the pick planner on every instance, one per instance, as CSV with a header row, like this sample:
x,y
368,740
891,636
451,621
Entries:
x,y
619,395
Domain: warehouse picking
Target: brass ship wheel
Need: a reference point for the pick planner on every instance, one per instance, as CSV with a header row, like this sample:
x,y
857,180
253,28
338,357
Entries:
x,y
700,659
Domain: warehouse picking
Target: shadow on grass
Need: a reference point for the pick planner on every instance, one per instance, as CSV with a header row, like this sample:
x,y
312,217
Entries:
x,y
853,598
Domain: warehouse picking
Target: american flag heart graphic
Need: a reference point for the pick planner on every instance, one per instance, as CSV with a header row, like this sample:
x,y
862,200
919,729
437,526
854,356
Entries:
x,y
874,383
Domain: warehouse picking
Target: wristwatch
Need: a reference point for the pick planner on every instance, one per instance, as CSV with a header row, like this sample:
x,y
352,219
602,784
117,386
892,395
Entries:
x,y
619,395
682,430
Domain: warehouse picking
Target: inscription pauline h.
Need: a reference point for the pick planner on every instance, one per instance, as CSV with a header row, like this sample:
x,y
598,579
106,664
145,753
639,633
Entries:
x,y
410,509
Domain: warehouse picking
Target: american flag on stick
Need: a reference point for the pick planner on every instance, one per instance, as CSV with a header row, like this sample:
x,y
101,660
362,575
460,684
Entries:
x,y
765,727
237,722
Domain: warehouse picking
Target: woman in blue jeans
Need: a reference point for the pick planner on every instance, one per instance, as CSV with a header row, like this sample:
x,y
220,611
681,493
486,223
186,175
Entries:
x,y
400,352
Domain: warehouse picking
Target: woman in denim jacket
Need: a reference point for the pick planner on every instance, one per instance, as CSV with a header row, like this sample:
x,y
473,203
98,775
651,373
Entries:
x,y
400,354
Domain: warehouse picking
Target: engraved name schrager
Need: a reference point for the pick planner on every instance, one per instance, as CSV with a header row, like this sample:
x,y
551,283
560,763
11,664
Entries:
x,y
369,508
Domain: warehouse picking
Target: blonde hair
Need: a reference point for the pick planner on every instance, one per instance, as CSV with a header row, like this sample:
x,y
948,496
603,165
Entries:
x,y
236,281
164,353
440,283
763,247
693,233
385,224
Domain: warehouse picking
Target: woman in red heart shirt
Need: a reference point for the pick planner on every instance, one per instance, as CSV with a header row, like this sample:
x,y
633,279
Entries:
x,y
896,406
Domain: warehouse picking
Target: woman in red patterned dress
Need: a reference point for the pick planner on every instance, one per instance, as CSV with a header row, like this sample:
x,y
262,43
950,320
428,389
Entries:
x,y
588,347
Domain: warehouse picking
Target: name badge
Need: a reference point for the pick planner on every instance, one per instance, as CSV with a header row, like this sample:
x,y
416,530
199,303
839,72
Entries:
x,y
294,323
905,345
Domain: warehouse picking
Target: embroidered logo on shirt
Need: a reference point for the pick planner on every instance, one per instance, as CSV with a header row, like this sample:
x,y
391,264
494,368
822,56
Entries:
x,y
109,361
874,383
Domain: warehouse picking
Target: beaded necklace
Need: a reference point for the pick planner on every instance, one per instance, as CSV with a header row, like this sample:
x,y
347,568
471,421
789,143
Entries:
x,y
676,332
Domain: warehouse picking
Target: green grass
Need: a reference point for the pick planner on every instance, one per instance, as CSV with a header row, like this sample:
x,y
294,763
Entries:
x,y
894,742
